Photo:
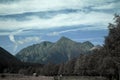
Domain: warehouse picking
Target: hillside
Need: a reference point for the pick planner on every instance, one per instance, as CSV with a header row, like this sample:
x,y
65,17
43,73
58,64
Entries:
x,y
7,60
61,51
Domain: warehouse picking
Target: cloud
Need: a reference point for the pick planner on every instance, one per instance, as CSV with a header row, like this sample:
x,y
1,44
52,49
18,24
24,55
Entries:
x,y
35,6
17,43
8,1
95,40
60,20
89,28
29,39
24,6
22,41
64,31
79,17
90,39
108,6
56,33
53,34
12,39
11,36
4,33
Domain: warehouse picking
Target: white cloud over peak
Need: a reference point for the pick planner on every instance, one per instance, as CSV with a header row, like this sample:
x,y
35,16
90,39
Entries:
x,y
56,33
29,39
64,31
17,43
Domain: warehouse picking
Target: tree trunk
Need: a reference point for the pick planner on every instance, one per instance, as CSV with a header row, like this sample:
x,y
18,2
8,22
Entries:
x,y
119,74
110,77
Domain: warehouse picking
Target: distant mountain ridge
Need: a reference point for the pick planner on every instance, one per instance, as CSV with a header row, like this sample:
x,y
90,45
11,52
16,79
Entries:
x,y
61,51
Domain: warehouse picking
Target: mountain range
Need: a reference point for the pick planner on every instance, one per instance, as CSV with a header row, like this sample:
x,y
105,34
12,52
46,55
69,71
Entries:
x,y
47,52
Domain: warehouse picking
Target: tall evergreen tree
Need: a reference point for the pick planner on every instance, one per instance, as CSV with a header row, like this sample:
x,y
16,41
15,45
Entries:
x,y
112,45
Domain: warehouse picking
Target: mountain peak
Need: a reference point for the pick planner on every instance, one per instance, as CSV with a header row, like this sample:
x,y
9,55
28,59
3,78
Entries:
x,y
63,38
45,43
87,42
97,47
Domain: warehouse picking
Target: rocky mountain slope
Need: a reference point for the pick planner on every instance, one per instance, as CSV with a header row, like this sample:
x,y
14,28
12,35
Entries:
x,y
47,52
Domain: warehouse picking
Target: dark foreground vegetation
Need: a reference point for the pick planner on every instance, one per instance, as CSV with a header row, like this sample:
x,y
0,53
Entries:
x,y
101,62
22,77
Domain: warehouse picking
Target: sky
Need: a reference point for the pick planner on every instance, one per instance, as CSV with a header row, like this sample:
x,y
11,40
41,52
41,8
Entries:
x,y
27,22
